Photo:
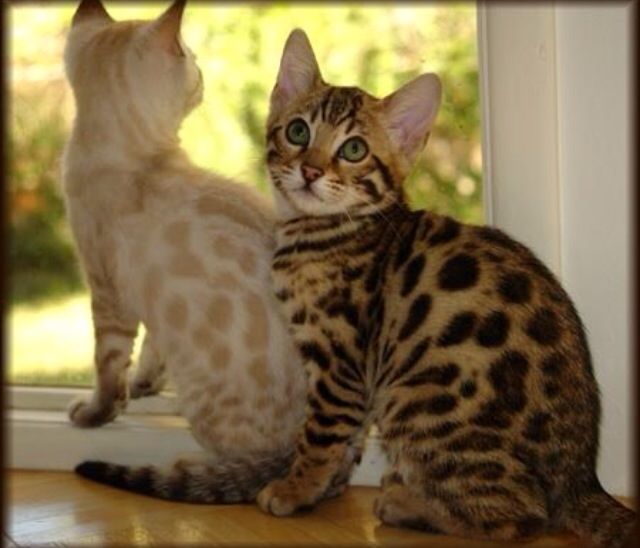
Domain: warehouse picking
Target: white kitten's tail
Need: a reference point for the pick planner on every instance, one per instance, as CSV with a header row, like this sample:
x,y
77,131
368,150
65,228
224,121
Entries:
x,y
205,482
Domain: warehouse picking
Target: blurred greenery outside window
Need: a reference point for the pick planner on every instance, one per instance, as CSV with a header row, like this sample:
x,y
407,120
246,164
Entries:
x,y
377,47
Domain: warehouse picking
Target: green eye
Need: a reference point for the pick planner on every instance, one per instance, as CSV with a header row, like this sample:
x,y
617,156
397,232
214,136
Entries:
x,y
298,132
354,149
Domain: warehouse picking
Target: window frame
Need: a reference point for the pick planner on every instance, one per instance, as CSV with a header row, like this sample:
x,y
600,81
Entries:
x,y
517,66
57,398
40,435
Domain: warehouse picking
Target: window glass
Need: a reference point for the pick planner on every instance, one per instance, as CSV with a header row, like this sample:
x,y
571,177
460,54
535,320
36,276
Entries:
x,y
376,46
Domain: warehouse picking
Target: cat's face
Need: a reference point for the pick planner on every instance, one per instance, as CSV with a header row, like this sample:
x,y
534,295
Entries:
x,y
333,150
143,63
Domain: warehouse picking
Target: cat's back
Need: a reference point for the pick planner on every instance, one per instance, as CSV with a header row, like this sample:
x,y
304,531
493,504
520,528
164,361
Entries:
x,y
170,184
511,295
198,258
504,336
197,227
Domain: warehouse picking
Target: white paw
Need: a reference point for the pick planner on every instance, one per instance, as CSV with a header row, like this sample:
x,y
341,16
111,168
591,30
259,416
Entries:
x,y
140,388
144,382
86,414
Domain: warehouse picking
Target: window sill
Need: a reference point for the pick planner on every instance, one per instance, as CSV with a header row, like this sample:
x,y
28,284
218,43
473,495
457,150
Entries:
x,y
46,398
46,440
41,437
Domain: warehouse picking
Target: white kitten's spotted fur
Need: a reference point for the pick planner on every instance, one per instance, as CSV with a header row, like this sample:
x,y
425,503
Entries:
x,y
183,251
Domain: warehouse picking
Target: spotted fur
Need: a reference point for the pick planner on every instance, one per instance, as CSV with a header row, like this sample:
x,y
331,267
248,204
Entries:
x,y
458,343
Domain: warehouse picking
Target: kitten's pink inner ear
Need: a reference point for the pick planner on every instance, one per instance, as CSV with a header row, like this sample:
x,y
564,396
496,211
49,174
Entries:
x,y
411,111
299,72
166,29
90,9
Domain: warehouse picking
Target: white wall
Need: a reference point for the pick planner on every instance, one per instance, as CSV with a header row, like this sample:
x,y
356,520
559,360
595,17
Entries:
x,y
594,121
519,122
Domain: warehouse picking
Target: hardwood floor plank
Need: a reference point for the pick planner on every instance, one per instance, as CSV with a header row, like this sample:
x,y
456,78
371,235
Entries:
x,y
61,509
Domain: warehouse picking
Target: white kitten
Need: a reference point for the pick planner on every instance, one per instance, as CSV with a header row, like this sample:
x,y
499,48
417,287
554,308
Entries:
x,y
183,251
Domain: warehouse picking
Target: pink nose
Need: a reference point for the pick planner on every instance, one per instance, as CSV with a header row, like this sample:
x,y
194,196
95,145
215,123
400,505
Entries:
x,y
311,173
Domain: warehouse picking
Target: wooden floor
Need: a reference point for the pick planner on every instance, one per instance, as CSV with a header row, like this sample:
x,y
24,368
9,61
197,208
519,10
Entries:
x,y
60,509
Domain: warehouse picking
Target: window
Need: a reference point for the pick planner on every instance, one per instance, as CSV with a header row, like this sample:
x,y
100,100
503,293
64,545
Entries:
x,y
377,47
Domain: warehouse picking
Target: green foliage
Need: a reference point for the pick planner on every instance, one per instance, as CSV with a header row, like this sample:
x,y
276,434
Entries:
x,y
41,256
377,47
58,377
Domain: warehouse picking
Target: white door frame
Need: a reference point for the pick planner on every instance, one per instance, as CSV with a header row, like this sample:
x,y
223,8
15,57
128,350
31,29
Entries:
x,y
516,49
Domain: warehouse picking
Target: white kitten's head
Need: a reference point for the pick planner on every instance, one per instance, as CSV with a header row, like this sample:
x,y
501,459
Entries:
x,y
139,74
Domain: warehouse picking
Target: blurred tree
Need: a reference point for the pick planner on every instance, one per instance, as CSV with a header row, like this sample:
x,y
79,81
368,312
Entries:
x,y
378,47
41,255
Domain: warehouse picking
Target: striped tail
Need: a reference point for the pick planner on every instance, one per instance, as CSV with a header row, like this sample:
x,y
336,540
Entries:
x,y
205,482
599,517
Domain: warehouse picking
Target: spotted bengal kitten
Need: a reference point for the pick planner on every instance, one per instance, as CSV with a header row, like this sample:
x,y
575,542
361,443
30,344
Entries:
x,y
455,340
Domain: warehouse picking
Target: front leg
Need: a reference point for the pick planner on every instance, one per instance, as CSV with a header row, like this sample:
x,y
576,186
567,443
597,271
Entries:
x,y
335,414
113,345
353,456
150,374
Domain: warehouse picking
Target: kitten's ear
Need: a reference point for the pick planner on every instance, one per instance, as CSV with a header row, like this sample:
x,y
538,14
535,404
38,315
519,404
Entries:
x,y
299,72
410,113
165,30
90,10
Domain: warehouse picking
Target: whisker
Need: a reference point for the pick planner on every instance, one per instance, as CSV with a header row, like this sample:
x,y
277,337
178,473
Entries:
x,y
377,210
353,223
